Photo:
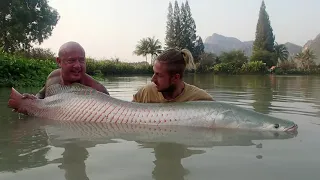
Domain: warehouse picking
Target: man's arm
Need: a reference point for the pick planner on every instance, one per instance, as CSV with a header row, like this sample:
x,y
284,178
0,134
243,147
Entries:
x,y
41,94
102,89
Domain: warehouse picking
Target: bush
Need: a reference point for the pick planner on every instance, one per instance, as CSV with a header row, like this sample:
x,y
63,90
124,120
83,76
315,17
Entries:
x,y
254,67
18,71
287,65
37,53
227,68
206,62
107,68
265,56
233,56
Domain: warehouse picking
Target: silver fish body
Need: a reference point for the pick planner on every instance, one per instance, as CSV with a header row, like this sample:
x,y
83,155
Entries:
x,y
84,104
87,133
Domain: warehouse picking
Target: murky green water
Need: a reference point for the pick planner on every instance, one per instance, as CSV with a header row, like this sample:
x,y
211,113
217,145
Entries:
x,y
30,150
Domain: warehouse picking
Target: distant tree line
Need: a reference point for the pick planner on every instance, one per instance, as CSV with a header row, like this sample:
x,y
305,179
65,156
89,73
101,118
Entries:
x,y
180,33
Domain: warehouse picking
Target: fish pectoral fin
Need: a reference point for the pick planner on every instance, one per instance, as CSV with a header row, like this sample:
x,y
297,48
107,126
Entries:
x,y
228,116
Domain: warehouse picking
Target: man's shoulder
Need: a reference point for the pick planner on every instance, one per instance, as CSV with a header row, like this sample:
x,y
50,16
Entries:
x,y
146,89
54,73
198,93
145,92
53,77
90,81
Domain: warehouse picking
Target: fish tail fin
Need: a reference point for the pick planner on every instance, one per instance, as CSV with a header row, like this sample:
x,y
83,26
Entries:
x,y
15,99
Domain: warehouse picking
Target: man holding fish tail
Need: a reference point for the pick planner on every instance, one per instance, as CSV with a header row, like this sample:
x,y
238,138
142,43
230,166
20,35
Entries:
x,y
71,60
168,84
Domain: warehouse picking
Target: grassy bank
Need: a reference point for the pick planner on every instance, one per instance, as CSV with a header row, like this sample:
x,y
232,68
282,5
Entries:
x,y
109,68
22,71
258,67
18,71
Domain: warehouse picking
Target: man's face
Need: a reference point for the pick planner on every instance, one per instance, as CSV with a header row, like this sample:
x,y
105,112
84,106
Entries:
x,y
72,64
162,79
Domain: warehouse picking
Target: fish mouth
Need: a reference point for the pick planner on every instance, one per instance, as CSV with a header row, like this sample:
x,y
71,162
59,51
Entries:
x,y
292,128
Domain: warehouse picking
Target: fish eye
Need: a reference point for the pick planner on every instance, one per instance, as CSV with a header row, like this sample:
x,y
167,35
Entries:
x,y
276,126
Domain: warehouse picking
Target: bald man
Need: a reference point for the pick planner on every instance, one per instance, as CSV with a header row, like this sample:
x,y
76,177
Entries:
x,y
72,63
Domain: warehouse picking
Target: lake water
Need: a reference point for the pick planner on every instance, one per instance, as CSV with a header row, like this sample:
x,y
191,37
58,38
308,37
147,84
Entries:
x,y
30,150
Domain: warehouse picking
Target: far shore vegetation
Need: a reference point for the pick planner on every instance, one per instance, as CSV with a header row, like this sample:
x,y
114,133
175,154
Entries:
x,y
21,64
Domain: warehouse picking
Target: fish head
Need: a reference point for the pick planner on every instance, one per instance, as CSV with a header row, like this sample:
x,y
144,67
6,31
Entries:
x,y
277,124
249,119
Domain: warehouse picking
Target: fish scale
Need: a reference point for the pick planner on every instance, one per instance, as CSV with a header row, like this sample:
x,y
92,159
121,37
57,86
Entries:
x,y
77,102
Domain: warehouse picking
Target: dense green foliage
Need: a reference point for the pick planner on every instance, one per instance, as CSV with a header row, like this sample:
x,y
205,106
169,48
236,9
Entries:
x,y
110,68
235,62
265,56
24,22
19,71
254,67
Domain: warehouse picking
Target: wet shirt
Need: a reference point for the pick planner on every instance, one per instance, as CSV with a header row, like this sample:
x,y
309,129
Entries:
x,y
150,94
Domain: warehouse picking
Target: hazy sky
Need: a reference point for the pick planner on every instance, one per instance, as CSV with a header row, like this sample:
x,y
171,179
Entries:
x,y
112,28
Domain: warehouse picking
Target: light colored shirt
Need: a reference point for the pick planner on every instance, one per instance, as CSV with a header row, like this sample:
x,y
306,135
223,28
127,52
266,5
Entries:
x,y
150,94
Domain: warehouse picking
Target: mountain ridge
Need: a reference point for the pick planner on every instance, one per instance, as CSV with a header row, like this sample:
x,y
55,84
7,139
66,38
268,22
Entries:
x,y
218,43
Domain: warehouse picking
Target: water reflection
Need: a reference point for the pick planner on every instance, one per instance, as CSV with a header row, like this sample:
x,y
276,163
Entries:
x,y
73,162
25,144
22,146
168,163
170,144
264,93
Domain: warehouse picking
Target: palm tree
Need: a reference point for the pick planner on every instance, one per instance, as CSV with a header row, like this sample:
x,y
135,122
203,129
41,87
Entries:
x,y
142,48
147,46
281,52
306,58
154,48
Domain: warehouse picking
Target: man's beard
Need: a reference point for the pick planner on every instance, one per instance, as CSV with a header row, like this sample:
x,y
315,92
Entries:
x,y
169,89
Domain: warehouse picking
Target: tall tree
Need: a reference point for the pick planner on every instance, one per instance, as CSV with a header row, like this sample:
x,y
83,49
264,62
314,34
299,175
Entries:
x,y
25,22
177,25
181,29
264,33
185,30
192,36
169,40
198,49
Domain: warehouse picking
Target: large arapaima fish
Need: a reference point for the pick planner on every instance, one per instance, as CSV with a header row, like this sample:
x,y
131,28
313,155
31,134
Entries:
x,y
77,102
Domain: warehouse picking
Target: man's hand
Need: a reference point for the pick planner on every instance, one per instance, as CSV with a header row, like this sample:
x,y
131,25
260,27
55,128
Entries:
x,y
29,96
20,110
